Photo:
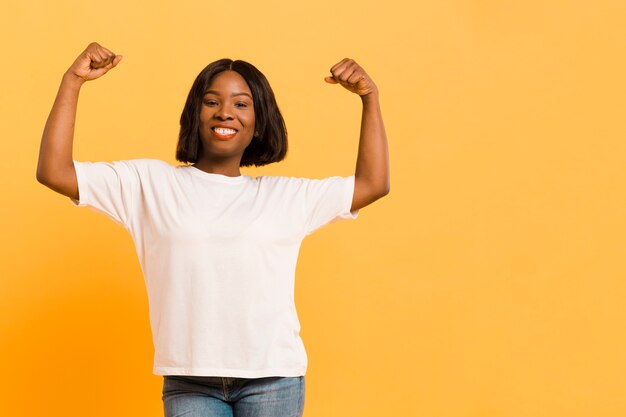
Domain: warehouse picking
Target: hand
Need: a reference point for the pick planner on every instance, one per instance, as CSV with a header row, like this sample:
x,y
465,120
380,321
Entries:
x,y
352,77
94,62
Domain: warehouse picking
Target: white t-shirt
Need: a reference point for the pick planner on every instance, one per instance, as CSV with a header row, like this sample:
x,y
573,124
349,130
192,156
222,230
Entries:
x,y
218,255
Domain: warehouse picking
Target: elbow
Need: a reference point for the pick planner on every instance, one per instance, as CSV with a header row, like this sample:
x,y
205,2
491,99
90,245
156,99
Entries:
x,y
381,192
47,174
40,178
384,188
42,172
369,191
384,193
44,178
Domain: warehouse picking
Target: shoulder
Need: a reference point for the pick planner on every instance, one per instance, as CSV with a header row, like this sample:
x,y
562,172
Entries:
x,y
293,183
281,181
299,180
146,166
142,163
149,163
137,170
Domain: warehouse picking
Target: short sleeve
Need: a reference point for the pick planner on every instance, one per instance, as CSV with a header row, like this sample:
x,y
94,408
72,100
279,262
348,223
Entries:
x,y
328,200
107,187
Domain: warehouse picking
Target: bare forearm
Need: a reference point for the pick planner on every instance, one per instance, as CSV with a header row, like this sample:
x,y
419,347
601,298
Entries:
x,y
371,177
372,164
55,168
55,152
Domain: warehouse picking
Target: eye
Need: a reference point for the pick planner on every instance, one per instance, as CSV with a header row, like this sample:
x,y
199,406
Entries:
x,y
210,102
242,104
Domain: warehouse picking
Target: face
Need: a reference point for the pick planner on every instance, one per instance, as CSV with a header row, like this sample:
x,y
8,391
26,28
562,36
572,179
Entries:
x,y
227,116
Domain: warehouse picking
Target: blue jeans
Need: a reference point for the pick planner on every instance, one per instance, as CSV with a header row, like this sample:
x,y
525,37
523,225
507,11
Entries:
x,y
215,396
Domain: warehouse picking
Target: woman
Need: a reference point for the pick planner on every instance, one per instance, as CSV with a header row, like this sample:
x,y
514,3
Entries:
x,y
218,249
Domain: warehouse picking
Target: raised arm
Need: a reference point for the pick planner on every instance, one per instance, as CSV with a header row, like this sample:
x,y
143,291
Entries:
x,y
372,165
55,168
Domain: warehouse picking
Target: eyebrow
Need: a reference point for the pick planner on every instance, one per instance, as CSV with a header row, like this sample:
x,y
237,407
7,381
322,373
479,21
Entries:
x,y
232,95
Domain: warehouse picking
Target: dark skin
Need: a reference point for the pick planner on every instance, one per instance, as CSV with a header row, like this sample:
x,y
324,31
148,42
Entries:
x,y
55,168
228,104
221,155
372,165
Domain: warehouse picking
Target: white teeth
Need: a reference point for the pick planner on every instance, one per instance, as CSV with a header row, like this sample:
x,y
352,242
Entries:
x,y
224,131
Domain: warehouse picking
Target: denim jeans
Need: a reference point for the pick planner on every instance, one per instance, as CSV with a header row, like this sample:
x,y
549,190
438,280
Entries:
x,y
214,396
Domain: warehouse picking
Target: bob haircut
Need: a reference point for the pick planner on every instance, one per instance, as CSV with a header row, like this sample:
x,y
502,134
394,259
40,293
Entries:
x,y
270,141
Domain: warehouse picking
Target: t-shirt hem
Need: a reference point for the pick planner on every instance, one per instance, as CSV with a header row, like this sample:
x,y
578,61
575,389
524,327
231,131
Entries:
x,y
350,214
82,189
233,373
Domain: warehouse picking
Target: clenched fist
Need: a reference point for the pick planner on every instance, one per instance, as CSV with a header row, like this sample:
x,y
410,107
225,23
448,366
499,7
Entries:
x,y
94,62
352,77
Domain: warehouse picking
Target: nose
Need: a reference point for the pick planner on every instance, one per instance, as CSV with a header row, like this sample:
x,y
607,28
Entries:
x,y
223,112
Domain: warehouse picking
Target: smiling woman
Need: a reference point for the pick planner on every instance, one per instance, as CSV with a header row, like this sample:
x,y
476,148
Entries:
x,y
231,94
218,249
227,114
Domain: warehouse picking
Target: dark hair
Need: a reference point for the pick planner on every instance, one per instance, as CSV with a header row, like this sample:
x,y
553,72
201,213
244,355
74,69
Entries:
x,y
271,143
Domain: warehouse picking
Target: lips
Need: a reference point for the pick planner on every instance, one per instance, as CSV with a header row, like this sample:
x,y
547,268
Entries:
x,y
223,132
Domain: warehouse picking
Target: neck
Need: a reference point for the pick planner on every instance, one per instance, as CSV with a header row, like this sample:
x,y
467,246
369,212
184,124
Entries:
x,y
227,169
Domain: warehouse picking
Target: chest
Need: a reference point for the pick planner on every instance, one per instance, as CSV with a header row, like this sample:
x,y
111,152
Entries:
x,y
213,216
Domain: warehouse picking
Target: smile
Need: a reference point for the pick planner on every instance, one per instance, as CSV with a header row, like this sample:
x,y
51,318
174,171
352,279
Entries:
x,y
223,132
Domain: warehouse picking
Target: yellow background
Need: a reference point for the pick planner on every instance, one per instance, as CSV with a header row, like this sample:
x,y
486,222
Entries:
x,y
489,282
